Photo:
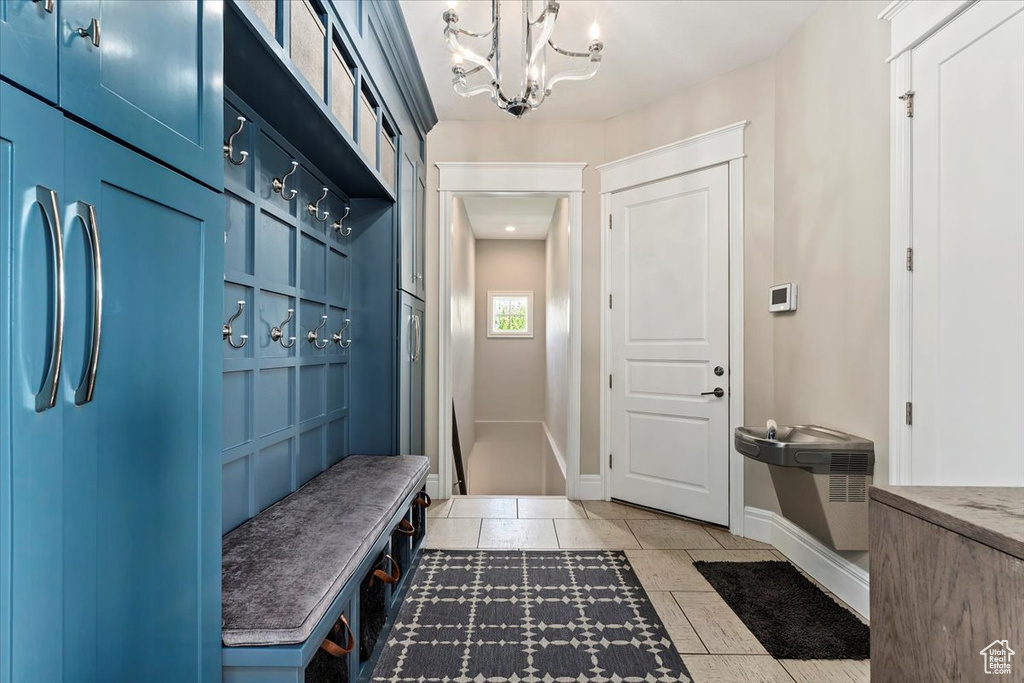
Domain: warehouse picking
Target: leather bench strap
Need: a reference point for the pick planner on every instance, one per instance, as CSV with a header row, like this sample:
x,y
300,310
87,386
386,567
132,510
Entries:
x,y
406,528
393,577
332,648
422,500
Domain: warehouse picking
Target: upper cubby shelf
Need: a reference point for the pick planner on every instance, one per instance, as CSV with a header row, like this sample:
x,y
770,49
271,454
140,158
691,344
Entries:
x,y
338,78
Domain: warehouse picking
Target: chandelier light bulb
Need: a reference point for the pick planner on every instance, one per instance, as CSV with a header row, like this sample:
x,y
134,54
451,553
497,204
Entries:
x,y
510,228
456,58
595,31
451,4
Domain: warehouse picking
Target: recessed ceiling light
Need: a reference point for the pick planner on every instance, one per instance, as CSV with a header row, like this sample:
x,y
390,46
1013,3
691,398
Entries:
x,y
510,228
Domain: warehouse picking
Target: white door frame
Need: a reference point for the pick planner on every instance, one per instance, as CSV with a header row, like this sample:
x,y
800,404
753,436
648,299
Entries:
x,y
720,146
466,178
911,23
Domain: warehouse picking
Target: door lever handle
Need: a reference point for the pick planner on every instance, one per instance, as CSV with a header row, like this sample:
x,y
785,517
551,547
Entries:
x,y
718,392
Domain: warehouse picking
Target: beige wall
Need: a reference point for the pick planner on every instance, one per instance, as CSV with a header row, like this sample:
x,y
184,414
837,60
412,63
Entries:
x,y
747,94
832,224
464,326
816,198
556,274
510,371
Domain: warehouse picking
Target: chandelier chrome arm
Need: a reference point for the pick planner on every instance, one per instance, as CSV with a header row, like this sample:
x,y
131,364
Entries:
x,y
535,85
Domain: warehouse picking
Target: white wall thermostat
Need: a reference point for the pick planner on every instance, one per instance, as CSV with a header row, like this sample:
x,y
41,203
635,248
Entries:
x,y
782,298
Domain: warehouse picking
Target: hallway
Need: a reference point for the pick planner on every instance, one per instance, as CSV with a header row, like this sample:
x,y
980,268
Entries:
x,y
715,645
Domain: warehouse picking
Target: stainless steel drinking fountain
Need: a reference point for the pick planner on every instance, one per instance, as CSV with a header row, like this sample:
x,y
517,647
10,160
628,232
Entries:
x,y
821,477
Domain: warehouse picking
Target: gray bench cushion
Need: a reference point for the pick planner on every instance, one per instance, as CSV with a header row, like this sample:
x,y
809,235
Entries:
x,y
284,567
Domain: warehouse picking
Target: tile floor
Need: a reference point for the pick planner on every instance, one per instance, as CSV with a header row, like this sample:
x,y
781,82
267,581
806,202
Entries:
x,y
714,643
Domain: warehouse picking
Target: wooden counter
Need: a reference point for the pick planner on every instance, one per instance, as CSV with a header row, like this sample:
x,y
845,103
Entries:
x,y
947,580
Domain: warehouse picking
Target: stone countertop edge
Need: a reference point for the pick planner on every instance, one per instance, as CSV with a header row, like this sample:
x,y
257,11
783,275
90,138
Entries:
x,y
993,516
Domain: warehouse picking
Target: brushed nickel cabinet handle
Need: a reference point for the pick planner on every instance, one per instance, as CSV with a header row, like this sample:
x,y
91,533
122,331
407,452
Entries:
x,y
87,214
47,396
92,32
47,5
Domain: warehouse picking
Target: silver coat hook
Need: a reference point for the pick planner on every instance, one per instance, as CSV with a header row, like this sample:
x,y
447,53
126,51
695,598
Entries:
x,y
313,338
279,184
314,209
277,333
338,337
229,148
338,224
228,334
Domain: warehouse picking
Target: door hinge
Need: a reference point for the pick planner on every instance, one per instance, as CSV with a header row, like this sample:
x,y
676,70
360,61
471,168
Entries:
x,y
609,221
609,461
908,97
609,381
609,301
910,413
910,258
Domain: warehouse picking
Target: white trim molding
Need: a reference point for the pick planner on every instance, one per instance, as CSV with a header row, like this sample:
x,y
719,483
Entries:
x,y
721,146
460,179
434,486
843,578
914,21
591,487
559,458
700,151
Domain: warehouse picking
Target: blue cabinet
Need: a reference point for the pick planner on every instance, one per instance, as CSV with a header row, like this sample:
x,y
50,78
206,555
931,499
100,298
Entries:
x,y
110,483
412,216
32,419
142,468
149,73
28,45
410,374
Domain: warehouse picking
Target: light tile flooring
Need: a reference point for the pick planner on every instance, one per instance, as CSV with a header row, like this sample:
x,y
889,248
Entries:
x,y
714,643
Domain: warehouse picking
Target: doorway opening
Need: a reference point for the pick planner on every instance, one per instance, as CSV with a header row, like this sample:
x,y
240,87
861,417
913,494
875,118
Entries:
x,y
510,341
509,320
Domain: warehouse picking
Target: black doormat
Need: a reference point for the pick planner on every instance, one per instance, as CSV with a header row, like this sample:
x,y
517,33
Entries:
x,y
528,616
791,616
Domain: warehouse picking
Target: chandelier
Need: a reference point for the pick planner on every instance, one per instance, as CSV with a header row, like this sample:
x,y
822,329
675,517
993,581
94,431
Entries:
x,y
535,84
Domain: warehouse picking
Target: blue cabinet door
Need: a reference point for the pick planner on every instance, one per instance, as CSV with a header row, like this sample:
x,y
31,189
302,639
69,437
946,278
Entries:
x,y
31,464
142,500
410,374
28,44
149,73
407,243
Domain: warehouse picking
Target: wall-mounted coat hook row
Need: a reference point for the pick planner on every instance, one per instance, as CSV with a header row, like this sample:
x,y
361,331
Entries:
x,y
228,334
229,147
339,226
313,336
277,333
279,184
339,337
314,209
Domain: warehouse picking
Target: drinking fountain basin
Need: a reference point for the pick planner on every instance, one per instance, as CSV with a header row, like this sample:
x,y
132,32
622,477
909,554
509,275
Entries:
x,y
821,477
807,446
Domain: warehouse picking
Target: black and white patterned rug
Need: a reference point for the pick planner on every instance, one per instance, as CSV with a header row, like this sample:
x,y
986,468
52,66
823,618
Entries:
x,y
528,617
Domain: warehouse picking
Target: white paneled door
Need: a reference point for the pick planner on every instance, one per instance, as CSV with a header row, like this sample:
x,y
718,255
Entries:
x,y
669,345
968,240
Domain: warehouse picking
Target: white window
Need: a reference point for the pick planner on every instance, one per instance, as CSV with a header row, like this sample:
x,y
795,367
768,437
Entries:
x,y
510,314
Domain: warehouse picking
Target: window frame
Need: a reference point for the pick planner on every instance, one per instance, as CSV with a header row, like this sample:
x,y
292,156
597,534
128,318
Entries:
x,y
509,334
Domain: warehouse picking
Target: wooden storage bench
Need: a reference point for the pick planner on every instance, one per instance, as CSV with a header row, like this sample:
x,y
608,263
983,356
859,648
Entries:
x,y
292,574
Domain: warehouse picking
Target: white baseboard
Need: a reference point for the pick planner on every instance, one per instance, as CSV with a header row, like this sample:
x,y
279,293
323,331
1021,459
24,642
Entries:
x,y
591,487
554,448
434,486
846,580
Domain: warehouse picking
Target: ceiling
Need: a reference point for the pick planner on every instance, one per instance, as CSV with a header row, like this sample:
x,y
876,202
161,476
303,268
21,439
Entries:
x,y
651,48
530,216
